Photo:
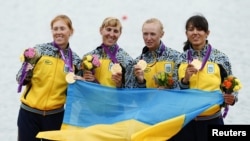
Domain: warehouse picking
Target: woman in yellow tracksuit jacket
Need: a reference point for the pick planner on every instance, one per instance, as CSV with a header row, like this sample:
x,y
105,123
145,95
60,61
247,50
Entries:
x,y
158,56
208,74
43,99
110,53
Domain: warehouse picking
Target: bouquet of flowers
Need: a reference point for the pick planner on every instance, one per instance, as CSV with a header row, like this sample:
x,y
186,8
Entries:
x,y
91,62
30,55
163,79
231,84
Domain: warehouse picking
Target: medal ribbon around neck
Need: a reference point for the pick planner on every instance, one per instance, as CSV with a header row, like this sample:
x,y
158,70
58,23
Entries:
x,y
162,49
68,61
112,55
204,60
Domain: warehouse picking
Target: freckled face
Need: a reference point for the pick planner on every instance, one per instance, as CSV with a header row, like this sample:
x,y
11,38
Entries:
x,y
110,35
61,33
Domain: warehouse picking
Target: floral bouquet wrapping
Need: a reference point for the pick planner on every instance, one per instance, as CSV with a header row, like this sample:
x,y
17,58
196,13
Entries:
x,y
91,62
30,55
230,84
163,79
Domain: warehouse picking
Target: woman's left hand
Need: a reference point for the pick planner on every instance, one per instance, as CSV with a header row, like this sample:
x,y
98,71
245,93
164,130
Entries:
x,y
229,99
88,76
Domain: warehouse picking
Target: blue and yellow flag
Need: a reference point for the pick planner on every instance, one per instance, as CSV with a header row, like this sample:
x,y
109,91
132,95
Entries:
x,y
98,113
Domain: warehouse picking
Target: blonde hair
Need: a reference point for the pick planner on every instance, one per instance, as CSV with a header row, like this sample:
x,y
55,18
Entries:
x,y
154,20
65,18
111,21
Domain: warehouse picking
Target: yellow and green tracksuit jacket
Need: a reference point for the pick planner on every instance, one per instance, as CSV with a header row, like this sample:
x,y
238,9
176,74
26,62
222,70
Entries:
x,y
103,73
210,77
158,62
46,85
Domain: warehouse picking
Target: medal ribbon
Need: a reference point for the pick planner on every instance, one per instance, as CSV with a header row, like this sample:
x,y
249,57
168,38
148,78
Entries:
x,y
68,61
204,60
22,77
162,49
112,55
225,111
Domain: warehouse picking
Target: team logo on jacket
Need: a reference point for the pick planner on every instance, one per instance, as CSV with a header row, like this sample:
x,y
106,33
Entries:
x,y
47,62
210,68
168,68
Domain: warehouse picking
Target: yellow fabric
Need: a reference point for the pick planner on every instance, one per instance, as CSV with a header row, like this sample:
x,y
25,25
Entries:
x,y
208,79
164,130
69,127
130,130
103,73
118,132
154,68
48,85
210,111
210,74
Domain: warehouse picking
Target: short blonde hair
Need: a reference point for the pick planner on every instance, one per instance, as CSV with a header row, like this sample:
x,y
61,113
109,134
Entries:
x,y
154,20
111,21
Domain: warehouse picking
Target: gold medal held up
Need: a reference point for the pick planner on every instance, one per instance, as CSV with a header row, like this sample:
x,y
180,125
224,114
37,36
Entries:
x,y
197,64
70,77
116,68
142,64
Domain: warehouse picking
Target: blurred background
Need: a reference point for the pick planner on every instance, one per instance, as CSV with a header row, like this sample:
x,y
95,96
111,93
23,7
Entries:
x,y
26,23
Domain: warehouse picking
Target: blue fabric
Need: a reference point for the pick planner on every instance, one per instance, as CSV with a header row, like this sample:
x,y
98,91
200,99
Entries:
x,y
90,104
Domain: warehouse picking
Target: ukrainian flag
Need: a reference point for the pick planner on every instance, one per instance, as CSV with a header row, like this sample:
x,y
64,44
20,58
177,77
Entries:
x,y
99,113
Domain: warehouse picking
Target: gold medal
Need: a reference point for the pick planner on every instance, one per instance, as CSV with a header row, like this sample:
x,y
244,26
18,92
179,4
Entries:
x,y
142,64
70,77
116,68
197,64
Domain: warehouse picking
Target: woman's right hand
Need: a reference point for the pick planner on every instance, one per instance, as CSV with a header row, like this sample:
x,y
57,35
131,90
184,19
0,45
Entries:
x,y
189,72
139,73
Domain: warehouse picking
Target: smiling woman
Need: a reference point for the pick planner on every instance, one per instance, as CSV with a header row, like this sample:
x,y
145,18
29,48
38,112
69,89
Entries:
x,y
213,66
42,101
116,63
62,30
